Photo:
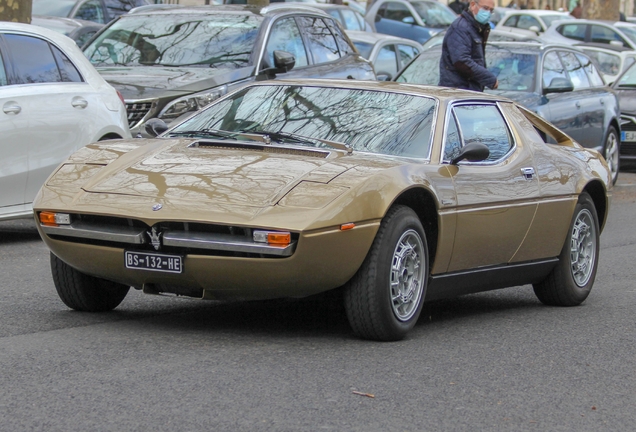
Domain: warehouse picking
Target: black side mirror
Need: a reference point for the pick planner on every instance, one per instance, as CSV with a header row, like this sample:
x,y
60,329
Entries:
x,y
155,127
559,85
475,152
283,62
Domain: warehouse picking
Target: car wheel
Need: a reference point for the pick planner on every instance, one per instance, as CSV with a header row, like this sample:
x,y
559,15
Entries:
x,y
571,280
611,152
83,292
384,299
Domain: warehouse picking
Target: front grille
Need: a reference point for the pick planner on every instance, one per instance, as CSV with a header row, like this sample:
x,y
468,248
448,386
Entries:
x,y
137,111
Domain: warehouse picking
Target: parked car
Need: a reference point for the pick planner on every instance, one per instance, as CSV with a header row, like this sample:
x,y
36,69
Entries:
x,y
260,193
580,30
494,36
78,30
387,53
625,87
53,103
529,22
347,17
170,63
416,19
611,60
559,83
99,11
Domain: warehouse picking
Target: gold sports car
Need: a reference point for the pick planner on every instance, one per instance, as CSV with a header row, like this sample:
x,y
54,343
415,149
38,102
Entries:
x,y
398,193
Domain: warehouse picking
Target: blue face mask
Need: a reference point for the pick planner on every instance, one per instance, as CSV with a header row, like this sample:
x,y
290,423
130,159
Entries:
x,y
483,16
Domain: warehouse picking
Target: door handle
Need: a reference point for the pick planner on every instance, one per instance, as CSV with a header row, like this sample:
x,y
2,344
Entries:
x,y
11,108
602,101
528,173
578,104
79,102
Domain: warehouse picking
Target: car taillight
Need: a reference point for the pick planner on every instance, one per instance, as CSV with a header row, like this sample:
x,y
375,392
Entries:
x,y
121,97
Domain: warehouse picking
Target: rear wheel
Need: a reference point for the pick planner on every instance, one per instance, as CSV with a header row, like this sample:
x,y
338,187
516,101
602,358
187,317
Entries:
x,y
611,152
571,281
384,299
83,292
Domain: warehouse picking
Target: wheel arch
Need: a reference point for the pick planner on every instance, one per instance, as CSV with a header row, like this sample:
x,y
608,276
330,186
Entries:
x,y
110,136
596,190
423,203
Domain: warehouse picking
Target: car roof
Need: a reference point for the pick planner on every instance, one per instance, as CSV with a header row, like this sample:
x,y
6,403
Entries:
x,y
603,47
373,38
216,9
529,47
535,12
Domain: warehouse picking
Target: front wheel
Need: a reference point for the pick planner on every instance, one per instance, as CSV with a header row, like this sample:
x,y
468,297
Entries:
x,y
384,299
611,152
571,280
85,293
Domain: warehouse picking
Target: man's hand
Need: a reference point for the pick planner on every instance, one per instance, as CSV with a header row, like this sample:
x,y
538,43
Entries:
x,y
496,85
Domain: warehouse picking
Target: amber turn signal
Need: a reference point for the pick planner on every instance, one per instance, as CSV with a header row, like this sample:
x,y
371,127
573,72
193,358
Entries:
x,y
347,226
48,219
279,238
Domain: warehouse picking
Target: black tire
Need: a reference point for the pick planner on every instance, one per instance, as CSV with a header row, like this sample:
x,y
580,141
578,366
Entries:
x,y
570,282
370,309
611,153
83,292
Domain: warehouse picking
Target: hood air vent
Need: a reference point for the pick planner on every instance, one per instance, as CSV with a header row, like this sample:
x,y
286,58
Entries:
x,y
261,148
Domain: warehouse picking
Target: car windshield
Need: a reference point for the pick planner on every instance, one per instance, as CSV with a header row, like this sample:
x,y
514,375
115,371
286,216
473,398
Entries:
x,y
221,40
629,31
607,63
434,14
549,19
628,79
394,124
364,48
423,70
61,8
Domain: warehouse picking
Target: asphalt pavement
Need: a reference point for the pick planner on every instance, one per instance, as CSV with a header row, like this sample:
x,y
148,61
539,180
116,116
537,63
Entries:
x,y
493,361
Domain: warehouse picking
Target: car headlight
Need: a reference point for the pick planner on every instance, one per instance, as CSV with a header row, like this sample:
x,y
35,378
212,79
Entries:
x,y
191,103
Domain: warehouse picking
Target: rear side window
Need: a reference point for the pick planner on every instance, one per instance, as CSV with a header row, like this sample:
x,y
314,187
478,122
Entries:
x,y
33,61
343,43
573,31
322,43
512,21
3,72
602,34
67,70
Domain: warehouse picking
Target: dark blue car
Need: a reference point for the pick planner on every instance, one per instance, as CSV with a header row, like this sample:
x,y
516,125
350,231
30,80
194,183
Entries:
x,y
559,83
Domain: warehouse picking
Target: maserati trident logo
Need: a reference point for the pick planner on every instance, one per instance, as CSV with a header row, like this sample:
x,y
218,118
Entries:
x,y
157,207
155,238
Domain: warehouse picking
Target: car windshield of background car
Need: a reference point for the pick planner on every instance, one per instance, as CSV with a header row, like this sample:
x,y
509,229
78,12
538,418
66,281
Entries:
x,y
628,79
423,70
363,48
434,14
60,8
515,71
607,63
221,40
629,31
394,124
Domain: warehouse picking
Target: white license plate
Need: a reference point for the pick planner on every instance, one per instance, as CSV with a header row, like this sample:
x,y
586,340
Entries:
x,y
628,136
154,262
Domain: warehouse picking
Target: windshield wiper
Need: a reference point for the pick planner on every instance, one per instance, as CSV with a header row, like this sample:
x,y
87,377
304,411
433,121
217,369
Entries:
x,y
277,136
219,134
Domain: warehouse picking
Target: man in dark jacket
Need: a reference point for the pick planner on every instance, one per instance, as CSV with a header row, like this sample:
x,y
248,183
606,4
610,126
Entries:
x,y
463,63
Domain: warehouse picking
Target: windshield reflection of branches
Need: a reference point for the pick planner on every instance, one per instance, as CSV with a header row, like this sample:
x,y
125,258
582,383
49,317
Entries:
x,y
219,41
378,122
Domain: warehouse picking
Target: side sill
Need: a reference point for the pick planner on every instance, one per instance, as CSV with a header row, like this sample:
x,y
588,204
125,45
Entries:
x,y
450,285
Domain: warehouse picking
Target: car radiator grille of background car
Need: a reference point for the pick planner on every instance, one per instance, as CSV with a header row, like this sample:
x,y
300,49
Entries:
x,y
137,111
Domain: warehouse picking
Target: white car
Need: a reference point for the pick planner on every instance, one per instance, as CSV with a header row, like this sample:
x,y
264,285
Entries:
x,y
611,60
575,31
529,22
388,54
53,103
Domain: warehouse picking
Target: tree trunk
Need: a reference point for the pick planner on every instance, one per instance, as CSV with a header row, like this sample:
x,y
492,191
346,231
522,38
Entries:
x,y
15,10
261,3
601,9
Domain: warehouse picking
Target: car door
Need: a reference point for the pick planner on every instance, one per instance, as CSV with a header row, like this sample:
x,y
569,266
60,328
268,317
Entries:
x,y
386,62
285,36
496,198
406,53
396,19
14,163
54,103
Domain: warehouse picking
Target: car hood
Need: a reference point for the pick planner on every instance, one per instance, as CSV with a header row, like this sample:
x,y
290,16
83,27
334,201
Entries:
x,y
150,82
179,170
627,99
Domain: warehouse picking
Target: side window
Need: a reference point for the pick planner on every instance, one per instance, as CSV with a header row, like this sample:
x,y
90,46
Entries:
x,y
604,35
406,54
386,62
33,60
453,141
285,36
67,70
3,72
512,21
573,31
397,11
322,43
382,11
608,63
552,68
575,69
484,124
526,21
350,20
343,42
592,73
91,11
